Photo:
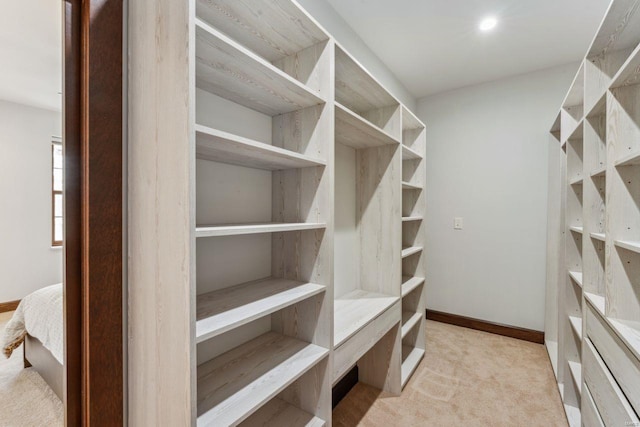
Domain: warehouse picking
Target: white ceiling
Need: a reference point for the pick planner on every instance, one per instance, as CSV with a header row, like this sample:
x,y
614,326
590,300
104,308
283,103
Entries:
x,y
435,45
31,52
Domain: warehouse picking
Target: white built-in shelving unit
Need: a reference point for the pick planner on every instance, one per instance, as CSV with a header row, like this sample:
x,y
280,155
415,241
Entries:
x,y
290,188
280,241
378,141
593,270
263,214
413,241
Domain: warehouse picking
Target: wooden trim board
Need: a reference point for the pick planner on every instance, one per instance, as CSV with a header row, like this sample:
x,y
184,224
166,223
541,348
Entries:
x,y
93,212
482,325
8,306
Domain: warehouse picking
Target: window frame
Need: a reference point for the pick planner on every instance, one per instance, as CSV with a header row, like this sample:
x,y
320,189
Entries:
x,y
56,142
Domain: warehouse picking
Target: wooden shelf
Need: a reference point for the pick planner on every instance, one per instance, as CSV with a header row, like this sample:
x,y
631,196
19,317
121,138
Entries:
x,y
409,321
356,88
222,310
234,385
576,229
576,373
408,186
577,133
576,325
596,301
600,172
576,181
411,218
599,108
410,121
227,69
409,154
257,228
598,236
277,413
354,131
296,30
411,359
410,251
223,147
631,159
629,332
629,73
355,310
410,283
576,276
628,245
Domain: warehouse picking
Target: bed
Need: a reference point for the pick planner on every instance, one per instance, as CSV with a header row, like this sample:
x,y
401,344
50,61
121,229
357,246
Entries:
x,y
38,324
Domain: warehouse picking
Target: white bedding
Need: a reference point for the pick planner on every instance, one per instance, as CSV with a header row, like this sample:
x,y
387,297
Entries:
x,y
40,315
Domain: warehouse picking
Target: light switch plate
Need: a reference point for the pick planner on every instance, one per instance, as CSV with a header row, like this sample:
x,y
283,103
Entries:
x,y
457,223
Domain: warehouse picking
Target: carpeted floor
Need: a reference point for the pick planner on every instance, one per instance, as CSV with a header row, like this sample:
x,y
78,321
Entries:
x,y
25,399
467,378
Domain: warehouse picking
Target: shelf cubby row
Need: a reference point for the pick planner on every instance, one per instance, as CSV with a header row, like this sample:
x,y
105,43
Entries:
x,y
413,256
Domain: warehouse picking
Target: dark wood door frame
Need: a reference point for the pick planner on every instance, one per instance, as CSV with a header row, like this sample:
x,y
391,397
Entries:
x,y
93,202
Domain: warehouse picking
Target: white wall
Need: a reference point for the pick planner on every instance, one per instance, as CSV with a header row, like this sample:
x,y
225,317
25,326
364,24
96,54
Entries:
x,y
331,20
27,261
487,157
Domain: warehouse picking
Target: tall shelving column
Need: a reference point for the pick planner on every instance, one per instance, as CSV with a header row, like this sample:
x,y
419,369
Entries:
x,y
622,286
595,168
611,348
413,242
599,313
264,214
572,113
556,268
368,235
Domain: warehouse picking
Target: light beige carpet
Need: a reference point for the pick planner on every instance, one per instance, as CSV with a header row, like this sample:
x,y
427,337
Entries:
x,y
467,378
25,399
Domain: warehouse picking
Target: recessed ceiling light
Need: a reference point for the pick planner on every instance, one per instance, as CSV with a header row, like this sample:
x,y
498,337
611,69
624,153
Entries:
x,y
488,24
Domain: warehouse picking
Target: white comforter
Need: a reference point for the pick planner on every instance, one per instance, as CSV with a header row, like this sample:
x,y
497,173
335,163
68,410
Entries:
x,y
40,315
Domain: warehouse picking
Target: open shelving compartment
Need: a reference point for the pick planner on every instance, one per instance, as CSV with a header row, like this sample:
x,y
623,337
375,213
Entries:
x,y
575,239
413,243
572,111
611,50
623,190
263,214
367,306
575,189
594,193
572,383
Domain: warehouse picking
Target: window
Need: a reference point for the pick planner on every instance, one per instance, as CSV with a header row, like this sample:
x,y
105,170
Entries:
x,y
56,194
